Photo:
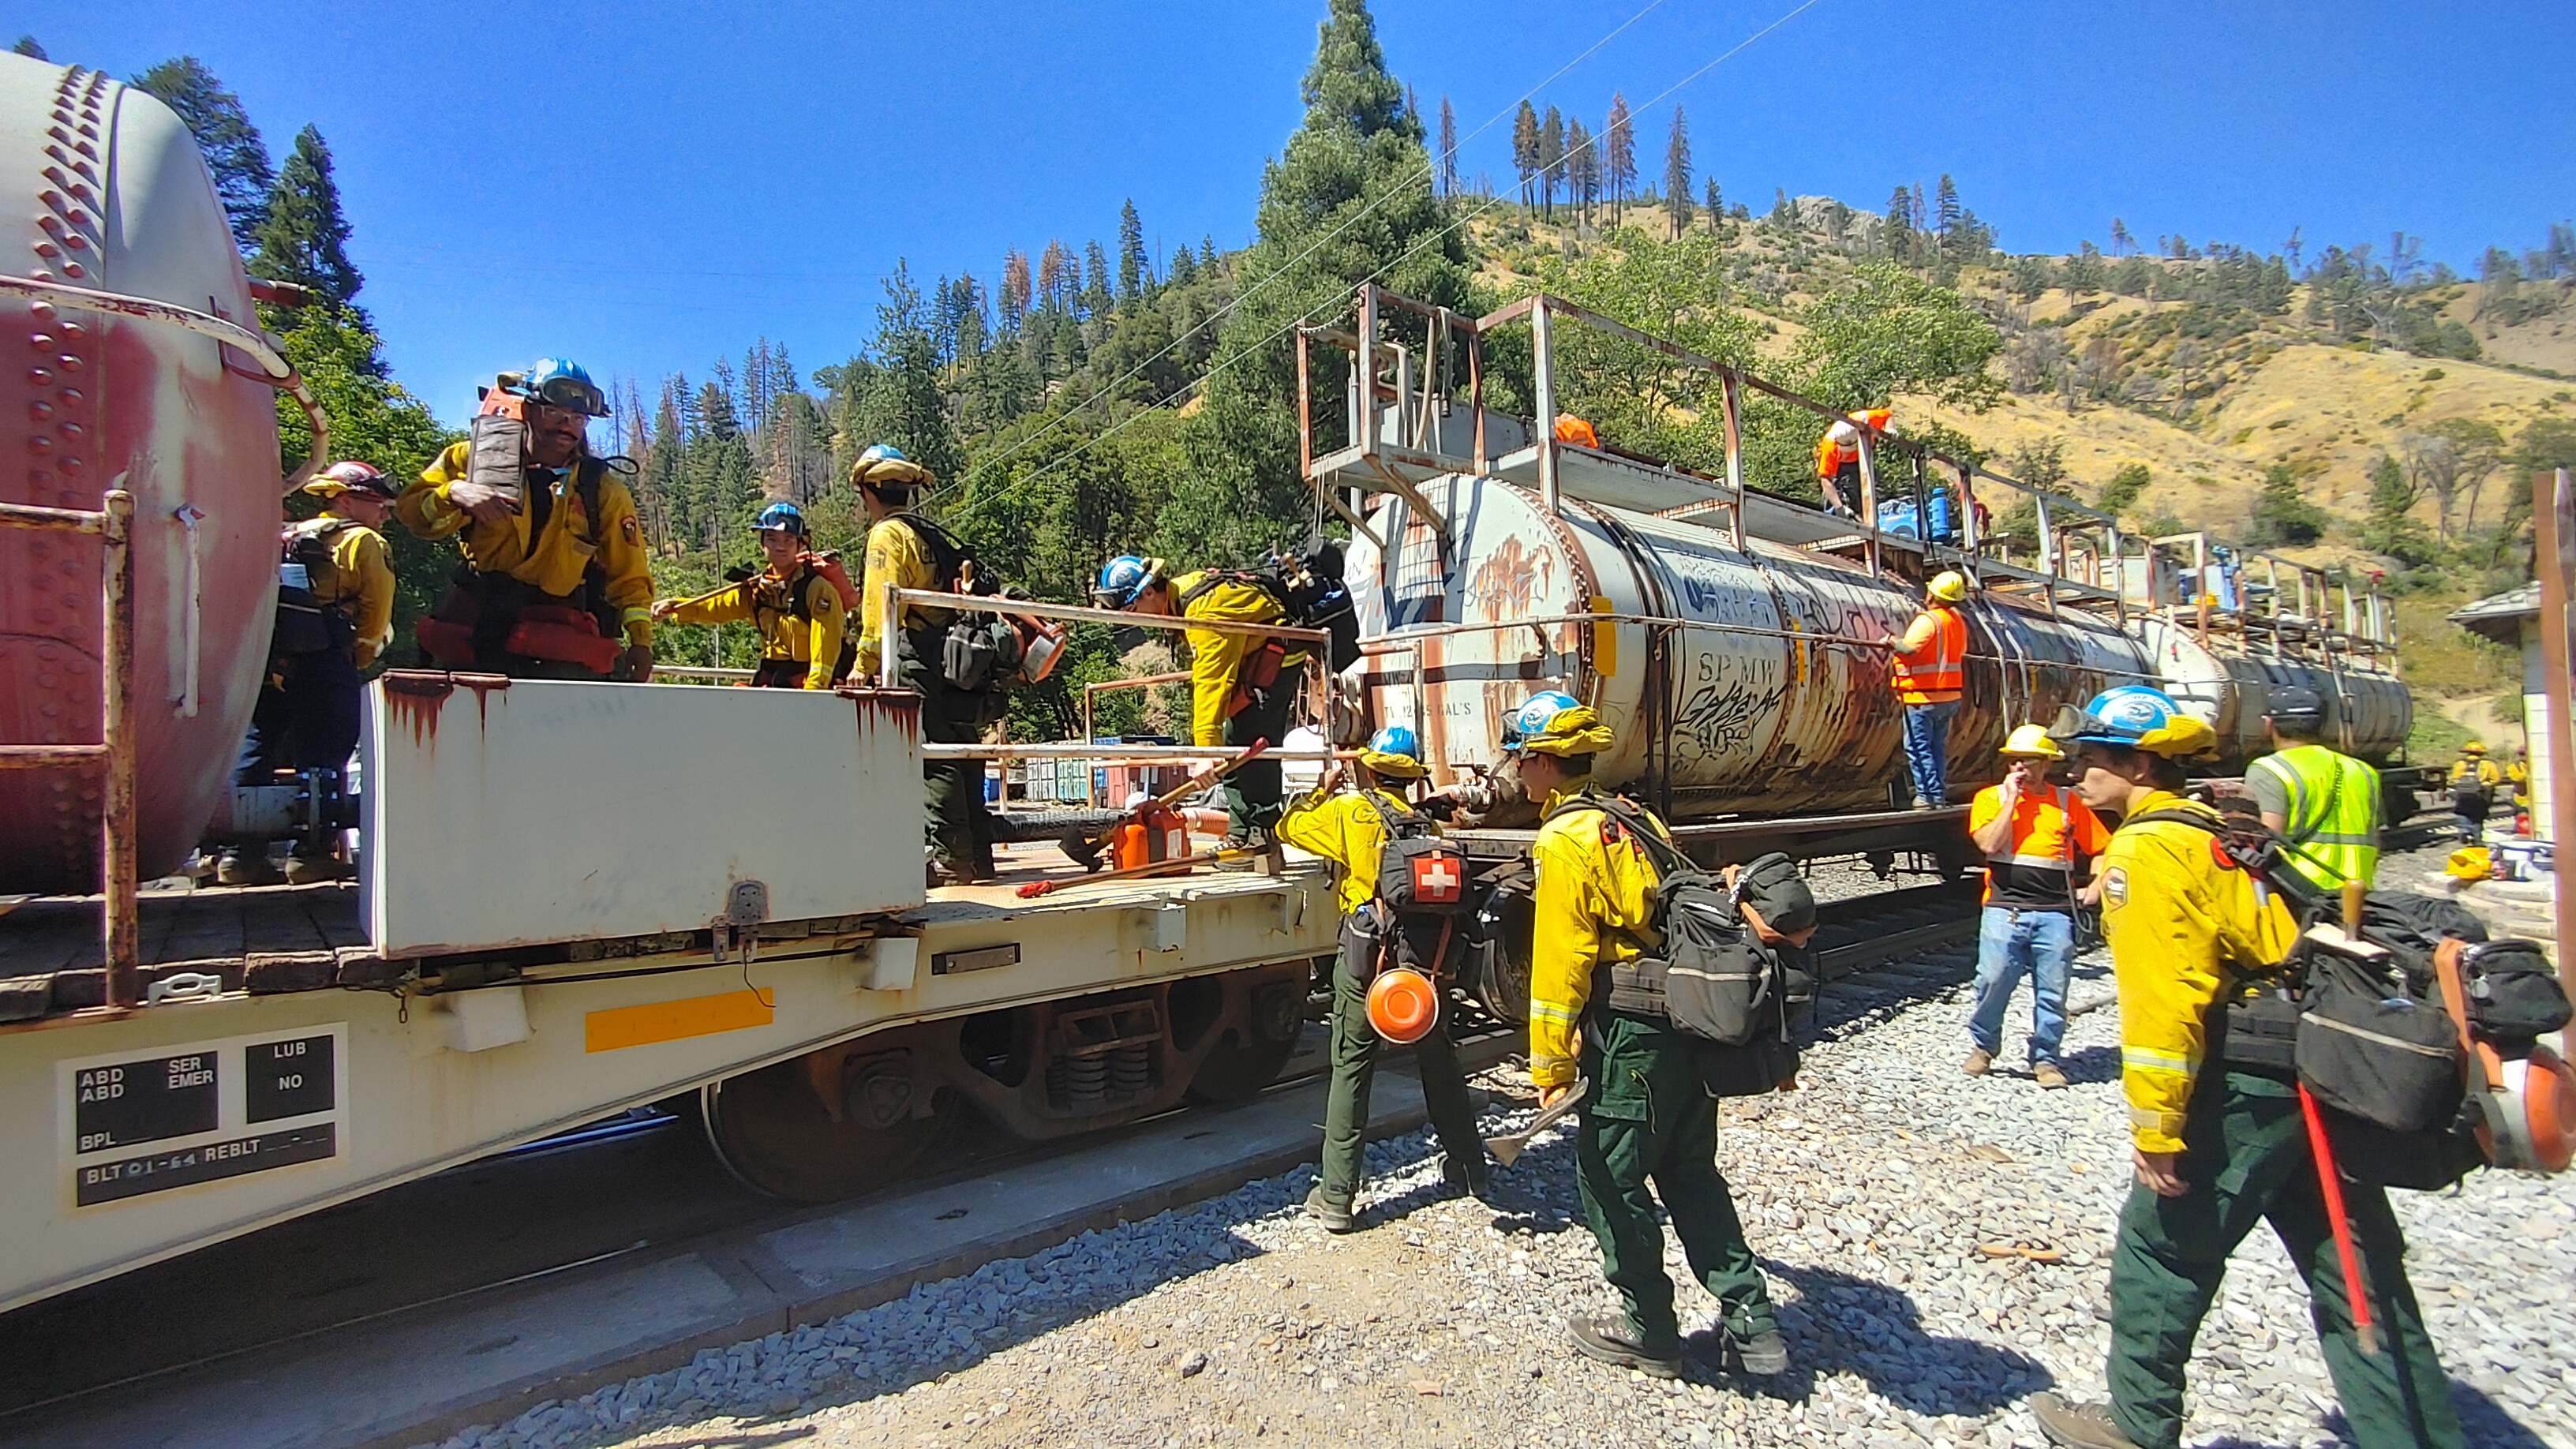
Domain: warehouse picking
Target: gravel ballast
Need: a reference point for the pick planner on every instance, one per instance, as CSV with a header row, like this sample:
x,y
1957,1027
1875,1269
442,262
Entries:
x,y
1938,1246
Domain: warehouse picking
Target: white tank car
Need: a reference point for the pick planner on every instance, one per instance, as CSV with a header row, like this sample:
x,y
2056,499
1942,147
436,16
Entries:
x,y
1767,692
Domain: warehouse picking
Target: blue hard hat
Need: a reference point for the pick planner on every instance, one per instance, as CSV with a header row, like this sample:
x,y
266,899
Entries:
x,y
783,517
882,453
2138,717
560,382
1394,751
1123,580
1534,714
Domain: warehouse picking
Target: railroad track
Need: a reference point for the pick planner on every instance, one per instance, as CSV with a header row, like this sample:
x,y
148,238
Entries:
x,y
644,1184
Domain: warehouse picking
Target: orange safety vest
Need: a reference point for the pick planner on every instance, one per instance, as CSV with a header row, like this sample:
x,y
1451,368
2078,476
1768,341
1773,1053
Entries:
x,y
1840,446
1937,673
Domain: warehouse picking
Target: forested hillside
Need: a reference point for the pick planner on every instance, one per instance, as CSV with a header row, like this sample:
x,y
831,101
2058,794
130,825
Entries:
x,y
1079,400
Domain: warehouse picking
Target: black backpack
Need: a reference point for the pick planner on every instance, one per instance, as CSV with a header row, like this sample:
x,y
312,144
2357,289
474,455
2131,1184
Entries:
x,y
2362,1024
1705,971
1418,872
980,653
1307,586
305,624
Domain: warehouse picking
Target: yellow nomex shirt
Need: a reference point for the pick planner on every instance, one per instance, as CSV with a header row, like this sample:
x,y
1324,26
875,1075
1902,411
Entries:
x,y
1344,830
1594,900
2182,929
555,560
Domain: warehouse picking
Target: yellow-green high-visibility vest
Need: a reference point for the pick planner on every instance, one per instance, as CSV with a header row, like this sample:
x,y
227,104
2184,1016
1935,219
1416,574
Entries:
x,y
2333,822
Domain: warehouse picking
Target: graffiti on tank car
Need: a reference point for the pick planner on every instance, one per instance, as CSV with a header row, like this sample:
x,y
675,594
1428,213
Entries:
x,y
1718,719
1511,583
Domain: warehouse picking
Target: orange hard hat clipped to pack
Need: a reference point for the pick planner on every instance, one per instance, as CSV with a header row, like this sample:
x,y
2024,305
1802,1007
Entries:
x,y
1403,1005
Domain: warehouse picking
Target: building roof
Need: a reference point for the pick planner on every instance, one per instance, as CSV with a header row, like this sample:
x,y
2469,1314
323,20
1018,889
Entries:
x,y
2499,616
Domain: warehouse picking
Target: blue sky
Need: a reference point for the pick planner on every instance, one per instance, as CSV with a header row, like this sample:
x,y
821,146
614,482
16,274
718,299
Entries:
x,y
648,187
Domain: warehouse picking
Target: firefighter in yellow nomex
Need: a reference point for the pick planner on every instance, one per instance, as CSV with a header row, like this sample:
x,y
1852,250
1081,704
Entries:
x,y
2217,1147
1650,1116
797,609
555,567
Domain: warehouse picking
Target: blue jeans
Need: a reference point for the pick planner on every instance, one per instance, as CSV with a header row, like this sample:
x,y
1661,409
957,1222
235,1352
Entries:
x,y
2010,942
1927,748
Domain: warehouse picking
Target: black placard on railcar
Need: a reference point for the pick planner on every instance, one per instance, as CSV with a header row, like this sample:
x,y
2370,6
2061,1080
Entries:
x,y
102,1182
287,1078
149,1099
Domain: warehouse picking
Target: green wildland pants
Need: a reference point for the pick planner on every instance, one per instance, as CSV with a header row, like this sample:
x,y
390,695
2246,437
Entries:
x,y
1355,1049
1649,1116
959,828
2246,1158
1254,793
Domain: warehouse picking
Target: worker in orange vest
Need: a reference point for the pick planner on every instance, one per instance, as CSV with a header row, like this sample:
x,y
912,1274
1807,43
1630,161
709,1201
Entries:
x,y
1931,669
1838,460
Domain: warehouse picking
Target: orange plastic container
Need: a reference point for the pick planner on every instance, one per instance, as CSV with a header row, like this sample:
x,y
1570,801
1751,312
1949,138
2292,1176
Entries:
x,y
1160,834
1403,1005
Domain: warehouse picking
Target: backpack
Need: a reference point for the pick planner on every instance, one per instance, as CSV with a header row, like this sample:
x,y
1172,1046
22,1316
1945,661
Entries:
x,y
1418,872
980,653
2366,1026
306,572
1705,972
1307,586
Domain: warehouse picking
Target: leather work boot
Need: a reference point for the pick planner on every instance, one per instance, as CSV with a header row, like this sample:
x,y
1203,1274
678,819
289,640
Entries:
x,y
1763,1355
1258,841
2048,1076
2071,1427
1607,1339
1335,1216
246,866
1979,1062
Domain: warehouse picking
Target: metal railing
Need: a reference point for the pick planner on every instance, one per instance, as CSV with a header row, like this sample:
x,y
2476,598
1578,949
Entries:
x,y
2083,554
889,672
120,931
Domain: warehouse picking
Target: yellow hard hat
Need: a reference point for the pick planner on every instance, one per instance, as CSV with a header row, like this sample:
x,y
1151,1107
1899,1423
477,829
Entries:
x,y
1949,586
1576,731
2031,742
2474,747
2179,738
2469,863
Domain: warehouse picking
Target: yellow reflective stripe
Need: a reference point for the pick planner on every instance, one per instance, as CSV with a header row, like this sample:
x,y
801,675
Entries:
x,y
2154,1121
2148,1059
1548,1011
2050,862
632,616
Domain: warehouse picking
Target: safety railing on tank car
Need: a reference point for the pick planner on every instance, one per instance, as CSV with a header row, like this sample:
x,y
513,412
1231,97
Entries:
x,y
113,755
2083,554
890,677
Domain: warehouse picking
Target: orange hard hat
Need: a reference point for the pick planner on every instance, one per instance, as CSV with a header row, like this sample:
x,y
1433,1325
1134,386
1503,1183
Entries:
x,y
1403,1005
1571,429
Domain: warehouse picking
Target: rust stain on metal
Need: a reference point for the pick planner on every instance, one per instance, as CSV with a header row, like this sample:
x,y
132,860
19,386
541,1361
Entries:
x,y
482,685
415,698
1511,582
901,707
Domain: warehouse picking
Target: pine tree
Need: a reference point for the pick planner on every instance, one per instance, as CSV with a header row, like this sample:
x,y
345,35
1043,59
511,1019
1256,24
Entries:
x,y
303,238
1677,174
1619,154
1582,168
233,149
1357,168
1525,150
28,47
1015,290
1900,225
903,404
1134,272
1716,202
2121,242
1448,148
1551,161
1946,213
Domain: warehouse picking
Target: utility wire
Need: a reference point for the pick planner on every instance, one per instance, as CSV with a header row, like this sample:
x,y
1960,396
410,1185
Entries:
x,y
1382,269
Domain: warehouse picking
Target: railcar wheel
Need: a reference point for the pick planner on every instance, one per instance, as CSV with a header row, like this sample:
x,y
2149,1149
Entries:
x,y
1236,1069
771,1131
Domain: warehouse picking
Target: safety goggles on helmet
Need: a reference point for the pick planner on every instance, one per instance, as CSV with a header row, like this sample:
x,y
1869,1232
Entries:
x,y
353,477
1123,580
2134,717
782,518
562,384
